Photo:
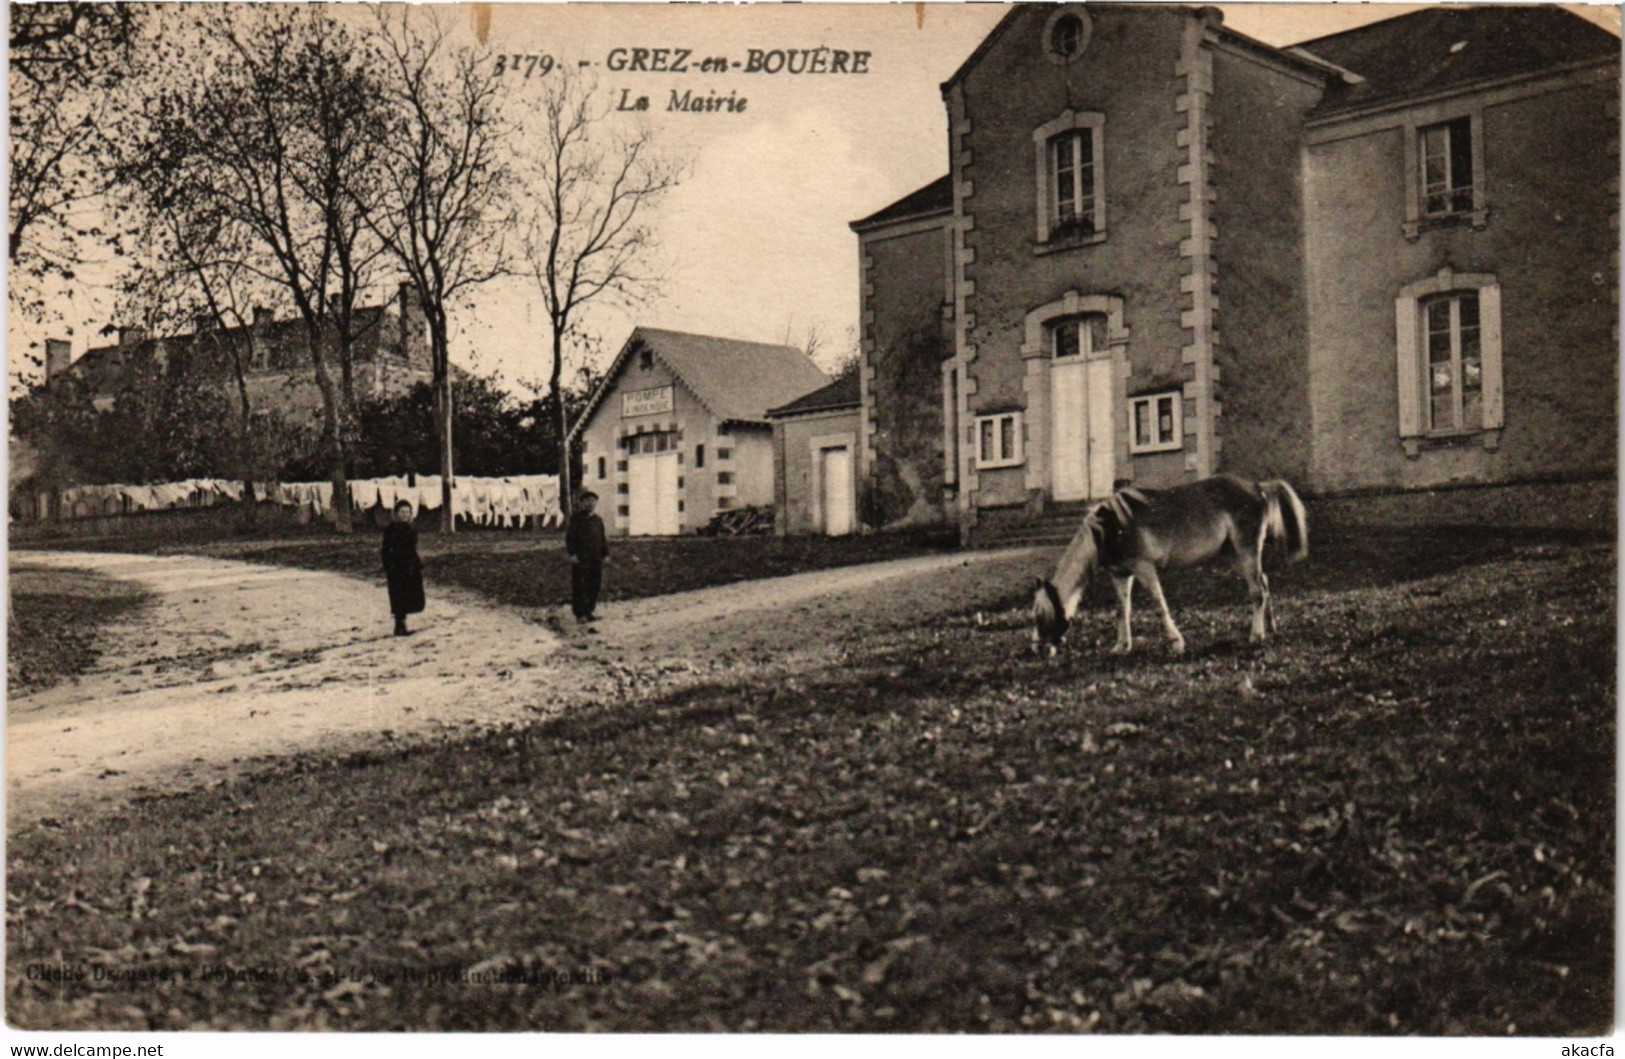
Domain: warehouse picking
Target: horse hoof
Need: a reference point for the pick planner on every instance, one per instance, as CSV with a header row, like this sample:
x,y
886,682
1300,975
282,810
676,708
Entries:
x,y
1177,647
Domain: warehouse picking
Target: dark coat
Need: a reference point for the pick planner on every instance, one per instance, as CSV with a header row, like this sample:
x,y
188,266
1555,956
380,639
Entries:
x,y
403,568
585,539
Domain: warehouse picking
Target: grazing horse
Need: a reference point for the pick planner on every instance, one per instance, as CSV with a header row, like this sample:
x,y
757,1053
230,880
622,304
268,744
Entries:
x,y
1138,531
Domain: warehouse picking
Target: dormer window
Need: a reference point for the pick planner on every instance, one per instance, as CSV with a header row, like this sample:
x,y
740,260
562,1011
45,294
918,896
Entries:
x,y
1447,168
1445,175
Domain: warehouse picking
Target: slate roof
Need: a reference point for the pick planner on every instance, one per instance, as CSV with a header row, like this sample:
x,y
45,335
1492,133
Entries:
x,y
1446,48
935,197
1411,55
839,395
736,381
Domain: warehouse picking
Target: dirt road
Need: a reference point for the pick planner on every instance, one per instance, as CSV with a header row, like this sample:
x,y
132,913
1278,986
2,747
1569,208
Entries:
x,y
235,662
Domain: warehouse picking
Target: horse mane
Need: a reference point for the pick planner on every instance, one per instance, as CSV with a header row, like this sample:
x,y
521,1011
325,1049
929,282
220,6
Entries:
x,y
1112,518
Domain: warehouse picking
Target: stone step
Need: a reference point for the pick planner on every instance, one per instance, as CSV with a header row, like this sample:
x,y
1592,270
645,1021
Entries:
x,y
1010,528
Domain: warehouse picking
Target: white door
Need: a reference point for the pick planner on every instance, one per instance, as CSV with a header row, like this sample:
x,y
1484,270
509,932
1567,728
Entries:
x,y
1069,441
668,523
1102,436
1081,435
652,495
837,498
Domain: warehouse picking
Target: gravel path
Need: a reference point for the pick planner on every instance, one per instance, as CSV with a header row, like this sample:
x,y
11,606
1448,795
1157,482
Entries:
x,y
236,661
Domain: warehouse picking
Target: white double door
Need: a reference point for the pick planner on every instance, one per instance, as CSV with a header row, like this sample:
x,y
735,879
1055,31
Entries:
x,y
1082,438
652,500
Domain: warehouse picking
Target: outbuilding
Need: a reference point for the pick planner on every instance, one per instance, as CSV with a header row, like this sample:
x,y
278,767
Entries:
x,y
678,430
815,447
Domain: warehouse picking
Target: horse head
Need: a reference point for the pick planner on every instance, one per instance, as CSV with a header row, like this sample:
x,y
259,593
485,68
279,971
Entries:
x,y
1049,618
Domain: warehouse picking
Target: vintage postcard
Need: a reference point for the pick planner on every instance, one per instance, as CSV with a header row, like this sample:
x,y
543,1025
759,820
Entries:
x,y
547,519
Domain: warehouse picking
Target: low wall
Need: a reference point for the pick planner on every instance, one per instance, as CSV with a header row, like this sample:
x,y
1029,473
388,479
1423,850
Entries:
x,y
173,524
1589,505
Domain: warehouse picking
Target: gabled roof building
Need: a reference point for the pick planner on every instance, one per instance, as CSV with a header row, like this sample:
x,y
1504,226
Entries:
x,y
678,430
815,445
1379,261
389,354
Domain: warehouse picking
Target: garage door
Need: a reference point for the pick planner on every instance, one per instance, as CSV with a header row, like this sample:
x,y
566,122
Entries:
x,y
652,501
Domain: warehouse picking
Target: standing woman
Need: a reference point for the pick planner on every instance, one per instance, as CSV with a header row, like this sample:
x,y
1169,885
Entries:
x,y
402,567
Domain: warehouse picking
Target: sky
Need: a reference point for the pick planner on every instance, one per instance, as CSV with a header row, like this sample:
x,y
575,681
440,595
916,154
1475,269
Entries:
x,y
755,243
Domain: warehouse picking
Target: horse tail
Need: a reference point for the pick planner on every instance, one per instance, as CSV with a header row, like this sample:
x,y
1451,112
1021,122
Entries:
x,y
1285,518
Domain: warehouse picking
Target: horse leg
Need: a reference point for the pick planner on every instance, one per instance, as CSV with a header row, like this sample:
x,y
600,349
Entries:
x,y
1258,594
1148,574
1125,600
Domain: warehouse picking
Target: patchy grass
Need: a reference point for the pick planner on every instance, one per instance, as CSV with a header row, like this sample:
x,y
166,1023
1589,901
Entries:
x,y
54,622
1399,818
530,570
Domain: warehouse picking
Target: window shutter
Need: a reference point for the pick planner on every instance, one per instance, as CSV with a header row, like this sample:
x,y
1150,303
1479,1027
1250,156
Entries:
x,y
1409,365
1489,316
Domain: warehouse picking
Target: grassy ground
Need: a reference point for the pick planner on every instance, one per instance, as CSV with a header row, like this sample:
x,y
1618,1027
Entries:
x,y
1397,818
53,623
530,570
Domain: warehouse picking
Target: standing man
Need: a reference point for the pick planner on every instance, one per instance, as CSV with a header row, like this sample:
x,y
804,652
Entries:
x,y
588,548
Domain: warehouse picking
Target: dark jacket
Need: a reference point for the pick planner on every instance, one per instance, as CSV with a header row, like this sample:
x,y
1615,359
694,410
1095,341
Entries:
x,y
403,568
585,539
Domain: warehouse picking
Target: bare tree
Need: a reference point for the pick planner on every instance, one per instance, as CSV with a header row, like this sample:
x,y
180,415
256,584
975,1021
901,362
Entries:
x,y
444,210
198,277
63,59
594,182
66,62
272,138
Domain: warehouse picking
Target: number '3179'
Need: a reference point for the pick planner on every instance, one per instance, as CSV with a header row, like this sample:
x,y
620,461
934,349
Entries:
x,y
524,64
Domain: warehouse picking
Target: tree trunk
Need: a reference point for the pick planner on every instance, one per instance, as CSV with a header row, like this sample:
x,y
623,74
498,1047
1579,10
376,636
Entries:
x,y
334,434
245,445
555,385
441,351
250,505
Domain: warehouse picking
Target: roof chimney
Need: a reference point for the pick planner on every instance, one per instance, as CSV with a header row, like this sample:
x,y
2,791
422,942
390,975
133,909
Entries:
x,y
262,316
129,337
58,356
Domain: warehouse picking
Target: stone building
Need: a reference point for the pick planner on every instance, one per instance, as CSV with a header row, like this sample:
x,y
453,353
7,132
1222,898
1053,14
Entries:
x,y
815,444
389,354
677,431
1383,260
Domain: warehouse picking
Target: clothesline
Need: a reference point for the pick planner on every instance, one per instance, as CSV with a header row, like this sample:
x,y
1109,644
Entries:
x,y
83,501
484,501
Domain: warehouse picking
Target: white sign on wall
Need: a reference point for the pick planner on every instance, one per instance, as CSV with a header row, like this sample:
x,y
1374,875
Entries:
x,y
646,402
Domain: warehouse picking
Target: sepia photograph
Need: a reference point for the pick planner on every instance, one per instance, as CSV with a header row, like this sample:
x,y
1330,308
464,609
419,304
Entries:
x,y
832,518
